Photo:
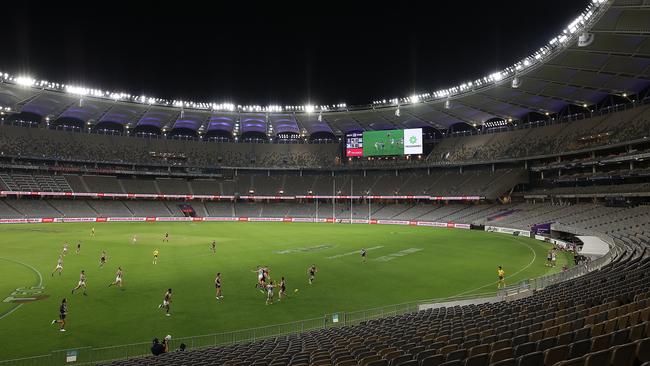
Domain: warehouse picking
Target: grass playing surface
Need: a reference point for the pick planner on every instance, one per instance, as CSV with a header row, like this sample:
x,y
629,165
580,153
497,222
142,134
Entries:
x,y
404,264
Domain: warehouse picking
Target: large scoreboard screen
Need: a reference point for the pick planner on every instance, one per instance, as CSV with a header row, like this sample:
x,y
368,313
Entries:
x,y
354,144
384,143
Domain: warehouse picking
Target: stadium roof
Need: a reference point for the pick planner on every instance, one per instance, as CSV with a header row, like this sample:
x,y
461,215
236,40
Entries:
x,y
604,51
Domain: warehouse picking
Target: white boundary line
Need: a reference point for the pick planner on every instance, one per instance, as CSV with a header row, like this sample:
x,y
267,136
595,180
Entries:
x,y
514,274
40,283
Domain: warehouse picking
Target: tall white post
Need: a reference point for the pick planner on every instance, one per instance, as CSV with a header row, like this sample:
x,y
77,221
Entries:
x,y
351,190
333,198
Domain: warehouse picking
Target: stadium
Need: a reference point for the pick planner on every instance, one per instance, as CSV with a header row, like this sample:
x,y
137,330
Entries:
x,y
501,221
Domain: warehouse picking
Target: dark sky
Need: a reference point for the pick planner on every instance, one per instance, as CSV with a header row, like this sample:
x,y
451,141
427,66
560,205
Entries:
x,y
269,53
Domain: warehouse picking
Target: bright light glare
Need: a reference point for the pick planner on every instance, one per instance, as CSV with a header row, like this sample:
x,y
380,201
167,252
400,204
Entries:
x,y
25,81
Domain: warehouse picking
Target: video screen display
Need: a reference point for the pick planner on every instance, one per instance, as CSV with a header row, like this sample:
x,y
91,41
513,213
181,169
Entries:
x,y
392,142
353,144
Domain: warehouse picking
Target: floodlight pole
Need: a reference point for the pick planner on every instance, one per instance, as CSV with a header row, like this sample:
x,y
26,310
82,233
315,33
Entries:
x,y
351,191
333,198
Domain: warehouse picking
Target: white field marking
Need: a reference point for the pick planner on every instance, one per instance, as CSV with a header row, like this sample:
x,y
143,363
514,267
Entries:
x,y
353,253
514,274
305,250
395,255
40,282
11,311
40,277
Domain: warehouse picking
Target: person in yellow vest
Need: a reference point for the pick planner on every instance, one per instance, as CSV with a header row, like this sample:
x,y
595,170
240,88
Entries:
x,y
155,256
502,275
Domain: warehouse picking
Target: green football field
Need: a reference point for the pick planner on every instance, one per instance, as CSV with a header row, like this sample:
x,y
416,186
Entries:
x,y
404,264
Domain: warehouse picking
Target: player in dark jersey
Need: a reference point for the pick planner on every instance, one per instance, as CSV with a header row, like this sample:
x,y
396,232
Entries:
x,y
217,285
102,259
364,254
78,246
213,246
266,274
63,311
312,273
283,289
166,238
166,302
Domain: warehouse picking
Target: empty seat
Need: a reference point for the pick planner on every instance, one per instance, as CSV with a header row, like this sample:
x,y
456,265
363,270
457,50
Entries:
x,y
459,354
477,350
600,343
546,343
506,362
624,355
600,358
580,348
526,348
500,355
556,354
500,344
643,350
434,360
482,359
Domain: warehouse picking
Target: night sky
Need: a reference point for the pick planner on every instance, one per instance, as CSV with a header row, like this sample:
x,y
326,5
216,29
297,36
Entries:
x,y
268,53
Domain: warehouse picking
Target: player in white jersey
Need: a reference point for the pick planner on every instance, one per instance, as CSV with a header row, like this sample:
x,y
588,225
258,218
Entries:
x,y
269,293
283,289
59,266
135,239
118,278
65,248
553,257
82,283
260,279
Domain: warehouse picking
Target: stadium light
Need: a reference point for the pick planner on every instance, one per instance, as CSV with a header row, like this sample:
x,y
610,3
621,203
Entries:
x,y
25,81
516,82
576,30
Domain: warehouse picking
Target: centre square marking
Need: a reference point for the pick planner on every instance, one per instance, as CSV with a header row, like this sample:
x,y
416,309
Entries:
x,y
305,250
401,253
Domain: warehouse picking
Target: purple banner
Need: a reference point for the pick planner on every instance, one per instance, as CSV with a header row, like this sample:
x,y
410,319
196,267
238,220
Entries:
x,y
541,229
